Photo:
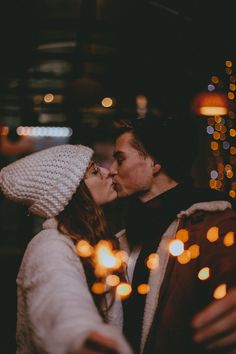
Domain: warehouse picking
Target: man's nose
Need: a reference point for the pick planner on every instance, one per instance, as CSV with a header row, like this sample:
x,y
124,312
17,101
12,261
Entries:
x,y
113,170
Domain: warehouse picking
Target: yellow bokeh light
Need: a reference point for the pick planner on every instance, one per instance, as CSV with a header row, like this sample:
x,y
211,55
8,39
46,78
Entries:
x,y
98,288
84,249
233,150
220,291
184,257
182,235
218,184
194,251
107,102
229,174
218,127
217,119
212,183
123,290
230,95
105,256
228,63
223,129
204,273
232,87
210,121
222,136
213,234
216,135
228,71
232,193
48,98
112,280
215,79
228,167
214,145
229,239
232,132
176,247
220,167
143,289
153,261
123,256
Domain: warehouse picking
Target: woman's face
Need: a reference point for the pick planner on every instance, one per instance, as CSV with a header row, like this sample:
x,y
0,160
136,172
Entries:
x,y
100,184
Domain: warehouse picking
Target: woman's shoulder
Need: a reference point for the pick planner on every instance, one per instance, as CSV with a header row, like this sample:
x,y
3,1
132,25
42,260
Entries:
x,y
48,248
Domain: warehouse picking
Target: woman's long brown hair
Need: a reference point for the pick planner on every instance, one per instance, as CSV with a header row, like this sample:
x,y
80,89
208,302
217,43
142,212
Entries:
x,y
83,219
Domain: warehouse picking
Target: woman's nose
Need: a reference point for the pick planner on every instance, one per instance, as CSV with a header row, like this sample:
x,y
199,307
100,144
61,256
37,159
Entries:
x,y
105,172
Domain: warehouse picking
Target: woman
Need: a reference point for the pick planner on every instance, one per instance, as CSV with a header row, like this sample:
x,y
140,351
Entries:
x,y
57,313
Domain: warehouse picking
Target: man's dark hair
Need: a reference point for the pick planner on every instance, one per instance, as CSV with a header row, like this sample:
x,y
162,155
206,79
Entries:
x,y
171,141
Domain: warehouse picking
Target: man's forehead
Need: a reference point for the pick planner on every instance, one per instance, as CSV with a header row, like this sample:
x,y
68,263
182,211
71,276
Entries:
x,y
123,141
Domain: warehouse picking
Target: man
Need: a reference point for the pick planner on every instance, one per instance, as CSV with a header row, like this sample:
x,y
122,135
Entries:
x,y
153,162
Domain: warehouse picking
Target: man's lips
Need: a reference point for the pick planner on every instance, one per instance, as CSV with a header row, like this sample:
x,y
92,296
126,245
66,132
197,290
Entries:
x,y
116,186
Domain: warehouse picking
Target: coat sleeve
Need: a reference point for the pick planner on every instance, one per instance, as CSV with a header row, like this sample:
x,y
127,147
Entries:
x,y
60,308
221,259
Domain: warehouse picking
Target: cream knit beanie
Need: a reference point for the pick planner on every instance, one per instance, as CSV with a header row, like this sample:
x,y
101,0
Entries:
x,y
46,180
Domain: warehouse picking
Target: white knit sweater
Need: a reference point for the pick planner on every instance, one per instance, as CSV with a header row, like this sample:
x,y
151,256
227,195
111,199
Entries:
x,y
55,308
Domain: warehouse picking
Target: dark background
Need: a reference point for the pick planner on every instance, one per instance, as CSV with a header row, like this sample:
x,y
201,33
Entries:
x,y
82,51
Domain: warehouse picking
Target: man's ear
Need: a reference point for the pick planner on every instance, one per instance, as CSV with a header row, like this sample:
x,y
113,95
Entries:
x,y
155,166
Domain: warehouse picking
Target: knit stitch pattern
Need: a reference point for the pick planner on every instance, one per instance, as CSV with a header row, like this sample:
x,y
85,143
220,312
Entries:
x,y
46,180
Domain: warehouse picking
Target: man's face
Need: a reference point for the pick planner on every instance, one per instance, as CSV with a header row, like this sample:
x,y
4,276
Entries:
x,y
132,172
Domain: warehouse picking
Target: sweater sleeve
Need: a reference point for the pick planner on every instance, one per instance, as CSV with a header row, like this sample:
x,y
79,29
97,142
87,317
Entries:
x,y
60,308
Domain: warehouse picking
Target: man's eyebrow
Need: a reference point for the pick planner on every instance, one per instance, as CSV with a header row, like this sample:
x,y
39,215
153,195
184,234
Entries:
x,y
117,154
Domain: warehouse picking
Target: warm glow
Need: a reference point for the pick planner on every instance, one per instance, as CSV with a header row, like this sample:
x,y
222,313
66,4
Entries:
x,y
229,174
214,146
204,273
112,280
228,63
105,256
194,251
185,257
182,235
228,167
4,131
210,104
212,183
84,249
216,135
232,193
123,256
123,290
213,234
220,292
48,98
107,102
143,289
211,111
233,150
230,95
153,261
98,288
215,79
232,87
176,247
232,132
229,239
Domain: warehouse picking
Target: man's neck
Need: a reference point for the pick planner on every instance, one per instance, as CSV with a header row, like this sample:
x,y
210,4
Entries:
x,y
161,184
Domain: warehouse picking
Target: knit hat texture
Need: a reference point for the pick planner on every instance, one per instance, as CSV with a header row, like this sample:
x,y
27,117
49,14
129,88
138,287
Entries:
x,y
46,180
